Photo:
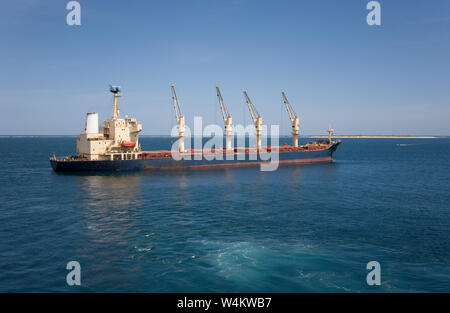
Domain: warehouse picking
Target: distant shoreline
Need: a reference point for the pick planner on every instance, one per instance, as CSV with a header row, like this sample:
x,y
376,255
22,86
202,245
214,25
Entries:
x,y
378,136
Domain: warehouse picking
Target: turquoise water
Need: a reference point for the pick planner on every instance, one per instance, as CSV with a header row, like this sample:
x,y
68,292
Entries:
x,y
305,228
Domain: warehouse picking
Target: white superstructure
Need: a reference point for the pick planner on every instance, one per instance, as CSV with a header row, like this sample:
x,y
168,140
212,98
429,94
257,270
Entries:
x,y
91,123
116,139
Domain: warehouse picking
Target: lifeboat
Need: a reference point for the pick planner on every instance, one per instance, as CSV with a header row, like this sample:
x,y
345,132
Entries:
x,y
128,144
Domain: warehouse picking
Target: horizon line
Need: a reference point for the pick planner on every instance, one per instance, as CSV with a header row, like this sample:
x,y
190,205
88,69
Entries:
x,y
284,135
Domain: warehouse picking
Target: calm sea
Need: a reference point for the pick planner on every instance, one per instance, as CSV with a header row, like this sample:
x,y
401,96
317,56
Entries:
x,y
305,228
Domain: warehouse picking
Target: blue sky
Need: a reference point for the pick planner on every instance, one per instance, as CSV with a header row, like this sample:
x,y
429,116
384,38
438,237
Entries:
x,y
388,79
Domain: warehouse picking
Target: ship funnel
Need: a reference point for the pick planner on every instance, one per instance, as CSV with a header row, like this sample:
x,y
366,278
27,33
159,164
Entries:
x,y
91,123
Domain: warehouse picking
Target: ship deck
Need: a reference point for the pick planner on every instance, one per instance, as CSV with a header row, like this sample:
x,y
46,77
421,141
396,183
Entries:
x,y
198,158
168,153
164,154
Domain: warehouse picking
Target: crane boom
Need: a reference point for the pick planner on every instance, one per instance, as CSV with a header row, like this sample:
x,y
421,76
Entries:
x,y
176,104
180,119
223,108
257,119
294,120
254,114
289,109
227,120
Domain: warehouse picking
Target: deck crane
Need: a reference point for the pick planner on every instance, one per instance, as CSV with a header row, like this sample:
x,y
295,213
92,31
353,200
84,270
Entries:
x,y
179,118
257,119
226,119
294,120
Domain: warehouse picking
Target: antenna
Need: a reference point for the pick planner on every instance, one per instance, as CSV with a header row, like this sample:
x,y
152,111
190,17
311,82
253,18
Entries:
x,y
330,131
116,91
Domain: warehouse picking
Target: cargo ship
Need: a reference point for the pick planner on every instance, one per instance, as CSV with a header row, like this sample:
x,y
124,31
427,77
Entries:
x,y
115,146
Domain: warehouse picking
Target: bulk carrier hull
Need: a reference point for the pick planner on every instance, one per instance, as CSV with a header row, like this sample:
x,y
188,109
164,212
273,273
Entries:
x,y
151,162
114,146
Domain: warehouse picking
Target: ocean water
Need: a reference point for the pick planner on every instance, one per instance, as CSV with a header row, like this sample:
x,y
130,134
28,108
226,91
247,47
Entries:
x,y
302,228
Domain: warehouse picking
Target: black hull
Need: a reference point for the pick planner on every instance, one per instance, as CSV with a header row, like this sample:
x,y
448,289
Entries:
x,y
293,157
